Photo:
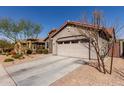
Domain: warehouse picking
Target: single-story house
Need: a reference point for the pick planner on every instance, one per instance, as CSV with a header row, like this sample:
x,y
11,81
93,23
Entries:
x,y
32,44
68,41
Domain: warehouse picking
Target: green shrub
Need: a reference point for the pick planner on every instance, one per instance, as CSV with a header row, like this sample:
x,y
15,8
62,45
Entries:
x,y
17,56
39,51
42,47
45,51
8,60
29,51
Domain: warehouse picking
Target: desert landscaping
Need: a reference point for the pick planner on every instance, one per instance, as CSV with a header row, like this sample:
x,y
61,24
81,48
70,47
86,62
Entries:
x,y
89,76
83,52
25,58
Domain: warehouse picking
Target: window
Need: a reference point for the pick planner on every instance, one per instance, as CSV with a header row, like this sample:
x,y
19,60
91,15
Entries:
x,y
66,42
103,35
74,41
84,40
60,42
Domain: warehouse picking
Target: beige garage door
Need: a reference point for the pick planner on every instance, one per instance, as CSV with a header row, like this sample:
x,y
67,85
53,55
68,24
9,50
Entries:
x,y
74,48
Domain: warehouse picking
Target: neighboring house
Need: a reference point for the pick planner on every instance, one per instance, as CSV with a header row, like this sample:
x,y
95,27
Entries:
x,y
68,41
118,48
32,44
48,40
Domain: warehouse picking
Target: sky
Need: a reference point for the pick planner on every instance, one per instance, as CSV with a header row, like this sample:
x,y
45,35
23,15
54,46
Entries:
x,y
52,17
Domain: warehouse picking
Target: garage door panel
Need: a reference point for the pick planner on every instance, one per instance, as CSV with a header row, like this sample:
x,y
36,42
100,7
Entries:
x,y
73,50
93,53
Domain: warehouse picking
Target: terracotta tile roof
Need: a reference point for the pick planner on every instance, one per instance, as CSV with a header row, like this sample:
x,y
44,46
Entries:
x,y
51,33
34,40
40,40
108,31
31,39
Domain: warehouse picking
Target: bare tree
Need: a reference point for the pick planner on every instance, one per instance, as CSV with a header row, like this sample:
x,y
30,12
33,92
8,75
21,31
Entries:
x,y
92,34
117,29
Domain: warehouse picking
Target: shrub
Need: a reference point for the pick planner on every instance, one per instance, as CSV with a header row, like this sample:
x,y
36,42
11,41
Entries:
x,y
42,47
39,51
45,51
8,60
17,56
29,51
8,50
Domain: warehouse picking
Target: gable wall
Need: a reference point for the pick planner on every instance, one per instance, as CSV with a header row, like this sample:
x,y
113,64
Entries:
x,y
67,31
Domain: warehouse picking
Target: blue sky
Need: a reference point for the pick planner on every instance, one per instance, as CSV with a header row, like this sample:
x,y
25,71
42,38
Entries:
x,y
53,17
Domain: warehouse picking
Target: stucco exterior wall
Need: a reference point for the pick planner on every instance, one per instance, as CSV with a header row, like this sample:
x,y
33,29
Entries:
x,y
49,43
121,48
103,45
67,31
74,31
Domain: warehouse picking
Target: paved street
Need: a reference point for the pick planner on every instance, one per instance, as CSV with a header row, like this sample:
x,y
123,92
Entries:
x,y
43,71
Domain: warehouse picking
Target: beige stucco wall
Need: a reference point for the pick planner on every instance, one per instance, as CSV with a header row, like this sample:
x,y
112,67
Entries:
x,y
121,47
103,45
80,47
68,31
49,41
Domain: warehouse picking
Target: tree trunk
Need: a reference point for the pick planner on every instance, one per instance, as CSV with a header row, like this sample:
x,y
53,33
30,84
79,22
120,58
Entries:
x,y
112,58
103,65
98,62
100,59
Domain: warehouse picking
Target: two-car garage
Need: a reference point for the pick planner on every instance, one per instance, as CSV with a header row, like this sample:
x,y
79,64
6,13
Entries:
x,y
73,48
69,42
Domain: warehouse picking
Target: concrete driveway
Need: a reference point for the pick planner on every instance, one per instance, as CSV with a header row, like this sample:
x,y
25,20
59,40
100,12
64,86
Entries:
x,y
5,79
43,71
